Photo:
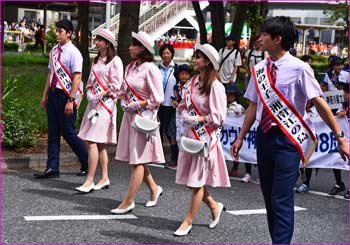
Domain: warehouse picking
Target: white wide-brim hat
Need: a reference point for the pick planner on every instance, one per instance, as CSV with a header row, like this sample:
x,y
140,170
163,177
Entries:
x,y
145,39
209,51
106,34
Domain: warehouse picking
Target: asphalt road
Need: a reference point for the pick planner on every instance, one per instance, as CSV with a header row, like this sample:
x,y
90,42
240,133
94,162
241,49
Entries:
x,y
322,219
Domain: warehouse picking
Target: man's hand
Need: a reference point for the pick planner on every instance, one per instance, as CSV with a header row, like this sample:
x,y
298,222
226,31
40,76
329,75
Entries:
x,y
343,148
235,149
68,110
43,102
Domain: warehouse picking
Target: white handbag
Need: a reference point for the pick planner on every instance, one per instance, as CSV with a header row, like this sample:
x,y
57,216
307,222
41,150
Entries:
x,y
194,147
145,125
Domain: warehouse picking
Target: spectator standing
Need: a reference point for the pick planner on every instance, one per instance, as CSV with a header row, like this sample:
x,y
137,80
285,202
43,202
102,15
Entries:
x,y
230,60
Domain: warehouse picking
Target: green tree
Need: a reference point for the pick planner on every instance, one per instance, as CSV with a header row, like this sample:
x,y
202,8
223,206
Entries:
x,y
338,13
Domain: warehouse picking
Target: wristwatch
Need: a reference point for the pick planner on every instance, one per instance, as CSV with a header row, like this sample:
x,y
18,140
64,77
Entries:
x,y
71,99
339,135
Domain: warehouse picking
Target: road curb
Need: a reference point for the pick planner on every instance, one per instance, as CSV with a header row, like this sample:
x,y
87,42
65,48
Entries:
x,y
19,161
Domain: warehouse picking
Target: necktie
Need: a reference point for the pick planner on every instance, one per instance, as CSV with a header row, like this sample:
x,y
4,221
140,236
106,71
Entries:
x,y
265,123
54,80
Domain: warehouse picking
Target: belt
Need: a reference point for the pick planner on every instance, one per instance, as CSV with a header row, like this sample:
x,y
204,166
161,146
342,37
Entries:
x,y
273,129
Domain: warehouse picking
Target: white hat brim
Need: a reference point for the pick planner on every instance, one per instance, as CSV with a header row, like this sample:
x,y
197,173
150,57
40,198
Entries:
x,y
106,36
143,42
208,53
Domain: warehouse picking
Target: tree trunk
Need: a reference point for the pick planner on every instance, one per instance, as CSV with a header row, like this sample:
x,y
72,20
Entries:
x,y
218,24
83,13
128,22
201,22
238,21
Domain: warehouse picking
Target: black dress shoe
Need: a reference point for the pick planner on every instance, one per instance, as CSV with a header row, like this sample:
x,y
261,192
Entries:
x,y
48,173
82,173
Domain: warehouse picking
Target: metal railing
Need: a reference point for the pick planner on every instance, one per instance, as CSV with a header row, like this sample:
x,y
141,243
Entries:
x,y
163,16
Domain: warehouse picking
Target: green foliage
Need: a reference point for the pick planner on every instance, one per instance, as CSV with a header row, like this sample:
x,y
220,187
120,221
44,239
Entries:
x,y
335,12
30,47
20,59
18,132
10,46
51,37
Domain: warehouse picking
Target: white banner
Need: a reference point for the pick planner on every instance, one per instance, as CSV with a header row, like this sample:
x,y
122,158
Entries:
x,y
325,156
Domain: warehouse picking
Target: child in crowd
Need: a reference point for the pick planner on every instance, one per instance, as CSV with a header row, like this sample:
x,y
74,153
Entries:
x,y
232,93
183,75
333,77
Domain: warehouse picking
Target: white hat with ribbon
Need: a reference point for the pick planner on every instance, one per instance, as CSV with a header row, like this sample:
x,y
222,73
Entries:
x,y
145,39
106,34
209,51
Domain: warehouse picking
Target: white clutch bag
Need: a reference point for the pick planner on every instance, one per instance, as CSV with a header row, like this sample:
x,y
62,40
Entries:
x,y
145,125
194,147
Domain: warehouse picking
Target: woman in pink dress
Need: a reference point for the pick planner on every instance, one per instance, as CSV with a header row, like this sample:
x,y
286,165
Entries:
x,y
141,93
204,107
98,126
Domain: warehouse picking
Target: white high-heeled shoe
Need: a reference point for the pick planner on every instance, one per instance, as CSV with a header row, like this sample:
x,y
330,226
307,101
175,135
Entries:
x,y
103,186
216,221
183,232
83,189
123,210
154,203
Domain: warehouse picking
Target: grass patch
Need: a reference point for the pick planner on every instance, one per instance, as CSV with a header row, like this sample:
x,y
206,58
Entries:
x,y
13,59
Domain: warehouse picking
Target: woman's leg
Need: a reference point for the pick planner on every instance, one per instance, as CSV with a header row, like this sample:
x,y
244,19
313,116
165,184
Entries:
x,y
92,161
152,185
134,185
196,200
103,157
212,204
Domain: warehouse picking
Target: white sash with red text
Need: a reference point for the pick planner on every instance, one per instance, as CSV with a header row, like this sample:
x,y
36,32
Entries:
x,y
133,96
200,131
63,77
283,113
99,86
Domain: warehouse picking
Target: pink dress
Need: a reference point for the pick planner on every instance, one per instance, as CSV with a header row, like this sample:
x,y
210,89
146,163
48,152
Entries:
x,y
104,130
134,147
196,171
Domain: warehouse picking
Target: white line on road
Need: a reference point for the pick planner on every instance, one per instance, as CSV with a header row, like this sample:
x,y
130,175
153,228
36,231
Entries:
x,y
311,192
257,211
78,217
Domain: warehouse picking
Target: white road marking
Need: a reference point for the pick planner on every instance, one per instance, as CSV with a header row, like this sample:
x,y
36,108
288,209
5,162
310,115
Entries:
x,y
258,211
78,217
311,192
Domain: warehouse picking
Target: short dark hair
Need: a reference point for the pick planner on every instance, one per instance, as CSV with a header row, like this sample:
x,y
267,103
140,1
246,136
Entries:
x,y
167,46
305,57
65,24
281,26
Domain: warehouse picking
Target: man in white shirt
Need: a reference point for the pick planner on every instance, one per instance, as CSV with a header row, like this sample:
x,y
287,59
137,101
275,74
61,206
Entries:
x,y
230,60
254,55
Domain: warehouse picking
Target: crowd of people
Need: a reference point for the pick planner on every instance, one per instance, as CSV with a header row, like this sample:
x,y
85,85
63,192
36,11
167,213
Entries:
x,y
191,111
31,30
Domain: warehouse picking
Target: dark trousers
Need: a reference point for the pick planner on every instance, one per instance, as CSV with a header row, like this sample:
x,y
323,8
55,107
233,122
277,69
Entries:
x,y
59,123
165,113
278,165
